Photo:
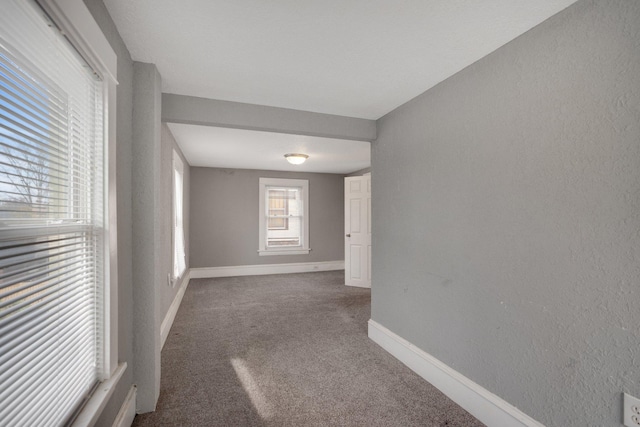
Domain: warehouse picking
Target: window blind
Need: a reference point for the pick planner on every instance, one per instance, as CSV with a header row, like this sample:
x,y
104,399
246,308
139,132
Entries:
x,y
51,221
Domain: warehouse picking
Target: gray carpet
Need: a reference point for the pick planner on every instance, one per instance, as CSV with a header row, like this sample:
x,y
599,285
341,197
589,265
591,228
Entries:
x,y
287,350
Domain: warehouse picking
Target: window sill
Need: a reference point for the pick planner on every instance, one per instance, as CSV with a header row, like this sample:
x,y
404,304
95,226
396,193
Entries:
x,y
93,408
297,251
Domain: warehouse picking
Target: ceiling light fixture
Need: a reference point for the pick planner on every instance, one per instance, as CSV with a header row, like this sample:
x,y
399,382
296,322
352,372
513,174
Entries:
x,y
296,158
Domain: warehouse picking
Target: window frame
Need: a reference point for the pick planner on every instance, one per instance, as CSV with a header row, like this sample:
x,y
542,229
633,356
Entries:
x,y
303,186
82,31
178,168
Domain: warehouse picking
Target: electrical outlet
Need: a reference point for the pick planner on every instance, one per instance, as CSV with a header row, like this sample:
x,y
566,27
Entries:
x,y
631,411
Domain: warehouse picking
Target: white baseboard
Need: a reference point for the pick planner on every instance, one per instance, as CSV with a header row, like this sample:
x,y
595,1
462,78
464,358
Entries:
x,y
166,324
128,410
478,401
260,269
357,285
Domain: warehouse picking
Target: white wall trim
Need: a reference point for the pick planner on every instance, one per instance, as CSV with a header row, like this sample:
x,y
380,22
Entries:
x,y
271,252
128,409
256,270
478,401
91,411
166,324
84,33
358,285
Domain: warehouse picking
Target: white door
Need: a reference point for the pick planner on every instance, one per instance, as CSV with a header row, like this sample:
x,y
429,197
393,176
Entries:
x,y
357,226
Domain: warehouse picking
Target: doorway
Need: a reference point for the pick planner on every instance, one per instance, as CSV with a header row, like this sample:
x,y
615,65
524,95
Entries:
x,y
357,226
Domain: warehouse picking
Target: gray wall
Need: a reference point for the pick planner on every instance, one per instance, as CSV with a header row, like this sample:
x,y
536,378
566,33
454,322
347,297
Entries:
x,y
506,215
224,217
149,236
169,290
151,303
152,181
123,162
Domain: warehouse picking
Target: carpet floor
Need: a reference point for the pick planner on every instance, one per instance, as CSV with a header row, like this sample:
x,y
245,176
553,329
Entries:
x,y
287,350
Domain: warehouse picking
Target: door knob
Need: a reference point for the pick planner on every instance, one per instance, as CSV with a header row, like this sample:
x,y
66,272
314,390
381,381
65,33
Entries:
x,y
348,235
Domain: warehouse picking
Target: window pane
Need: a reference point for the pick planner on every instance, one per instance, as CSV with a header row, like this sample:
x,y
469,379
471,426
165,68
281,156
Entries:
x,y
278,208
284,220
34,155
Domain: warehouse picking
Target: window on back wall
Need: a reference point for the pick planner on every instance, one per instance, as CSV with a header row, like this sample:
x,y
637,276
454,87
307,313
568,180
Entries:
x,y
53,239
284,217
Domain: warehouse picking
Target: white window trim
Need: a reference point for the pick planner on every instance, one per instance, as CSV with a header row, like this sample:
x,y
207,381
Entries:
x,y
73,17
262,231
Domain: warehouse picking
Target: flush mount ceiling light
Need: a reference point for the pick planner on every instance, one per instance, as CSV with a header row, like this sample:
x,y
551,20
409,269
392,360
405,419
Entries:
x,y
296,158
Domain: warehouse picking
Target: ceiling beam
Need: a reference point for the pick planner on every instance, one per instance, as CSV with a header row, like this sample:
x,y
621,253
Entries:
x,y
212,112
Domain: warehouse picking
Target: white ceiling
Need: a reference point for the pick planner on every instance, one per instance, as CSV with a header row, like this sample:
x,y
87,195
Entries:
x,y
355,58
248,149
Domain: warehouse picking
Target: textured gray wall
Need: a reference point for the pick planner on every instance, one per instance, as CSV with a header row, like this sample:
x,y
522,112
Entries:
x,y
148,103
123,162
224,217
506,215
150,268
167,289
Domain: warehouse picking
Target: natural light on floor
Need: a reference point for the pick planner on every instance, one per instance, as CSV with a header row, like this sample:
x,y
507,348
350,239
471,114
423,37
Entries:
x,y
259,401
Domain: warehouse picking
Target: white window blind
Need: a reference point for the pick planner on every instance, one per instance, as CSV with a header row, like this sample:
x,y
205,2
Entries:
x,y
179,262
51,222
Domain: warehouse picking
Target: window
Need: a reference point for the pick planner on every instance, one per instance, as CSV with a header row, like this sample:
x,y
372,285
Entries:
x,y
284,218
55,263
179,263
279,208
